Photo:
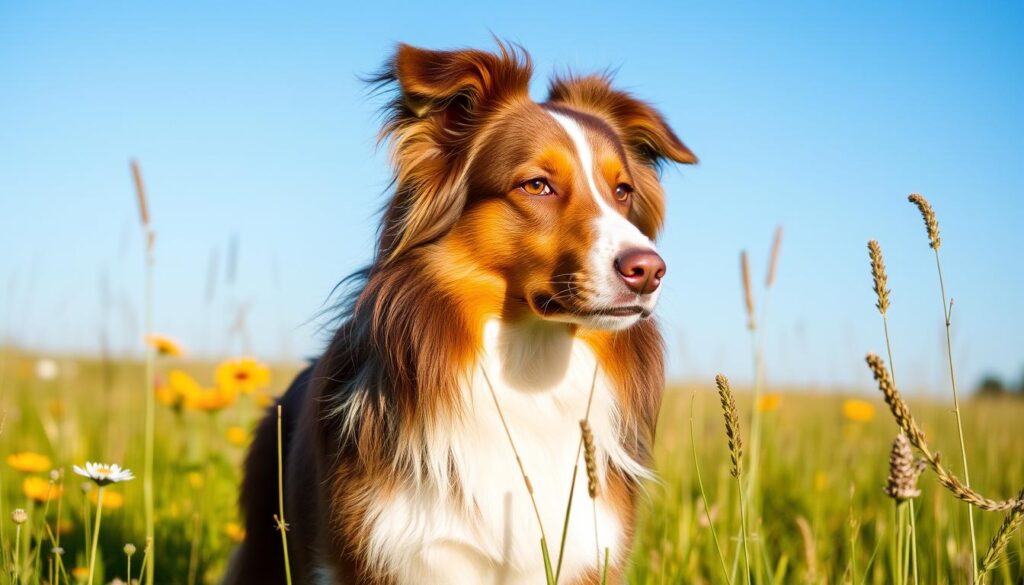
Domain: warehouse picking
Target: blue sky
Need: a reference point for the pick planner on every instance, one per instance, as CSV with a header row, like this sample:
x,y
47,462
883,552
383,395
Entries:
x,y
251,126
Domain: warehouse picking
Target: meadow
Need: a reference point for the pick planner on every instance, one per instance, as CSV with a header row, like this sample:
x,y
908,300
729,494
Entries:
x,y
821,514
761,486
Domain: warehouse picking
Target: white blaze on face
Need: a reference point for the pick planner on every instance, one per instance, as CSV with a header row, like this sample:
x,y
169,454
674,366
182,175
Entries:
x,y
615,234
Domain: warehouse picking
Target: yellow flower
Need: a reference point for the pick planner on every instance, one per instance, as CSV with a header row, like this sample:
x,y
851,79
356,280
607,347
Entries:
x,y
28,462
820,481
195,479
769,402
40,490
262,399
235,532
111,500
176,390
164,345
56,408
237,436
858,410
210,399
243,375
80,573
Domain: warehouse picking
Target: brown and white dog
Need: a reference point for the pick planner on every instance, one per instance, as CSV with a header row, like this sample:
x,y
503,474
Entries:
x,y
516,257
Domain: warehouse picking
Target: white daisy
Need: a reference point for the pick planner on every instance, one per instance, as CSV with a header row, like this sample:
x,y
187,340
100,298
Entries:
x,y
104,474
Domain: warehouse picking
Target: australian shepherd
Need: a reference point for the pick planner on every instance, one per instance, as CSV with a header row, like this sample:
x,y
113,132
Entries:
x,y
510,296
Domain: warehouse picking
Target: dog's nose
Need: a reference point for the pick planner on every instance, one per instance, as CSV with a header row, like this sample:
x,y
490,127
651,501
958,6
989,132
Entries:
x,y
640,269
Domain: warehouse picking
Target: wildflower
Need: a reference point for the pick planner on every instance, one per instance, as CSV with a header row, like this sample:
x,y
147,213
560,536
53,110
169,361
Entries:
x,y
195,479
129,549
19,516
211,399
263,400
769,402
57,551
40,490
243,375
820,481
80,573
111,500
234,531
102,474
56,408
174,391
47,369
28,462
181,384
237,435
858,410
164,346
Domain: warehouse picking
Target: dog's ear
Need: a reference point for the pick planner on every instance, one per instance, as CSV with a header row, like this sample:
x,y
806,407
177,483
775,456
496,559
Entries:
x,y
441,99
640,126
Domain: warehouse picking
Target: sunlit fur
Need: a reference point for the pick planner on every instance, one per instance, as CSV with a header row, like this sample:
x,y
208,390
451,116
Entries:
x,y
398,468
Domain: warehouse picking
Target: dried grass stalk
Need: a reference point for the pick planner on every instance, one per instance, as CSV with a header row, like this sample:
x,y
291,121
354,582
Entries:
x,y
1010,524
774,259
140,192
878,274
904,470
906,422
748,290
930,221
732,423
590,457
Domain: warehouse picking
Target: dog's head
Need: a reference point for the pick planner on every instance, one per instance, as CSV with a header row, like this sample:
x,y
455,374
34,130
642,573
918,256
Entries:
x,y
559,200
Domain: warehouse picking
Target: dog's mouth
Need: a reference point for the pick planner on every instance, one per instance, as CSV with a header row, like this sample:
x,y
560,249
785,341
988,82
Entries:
x,y
549,306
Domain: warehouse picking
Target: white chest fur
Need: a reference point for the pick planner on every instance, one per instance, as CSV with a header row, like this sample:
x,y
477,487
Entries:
x,y
470,520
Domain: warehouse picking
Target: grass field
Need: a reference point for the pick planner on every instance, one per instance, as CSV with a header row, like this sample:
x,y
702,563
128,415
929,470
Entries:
x,y
819,514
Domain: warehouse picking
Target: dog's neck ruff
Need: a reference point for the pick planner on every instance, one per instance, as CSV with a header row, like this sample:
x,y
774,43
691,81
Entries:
x,y
467,518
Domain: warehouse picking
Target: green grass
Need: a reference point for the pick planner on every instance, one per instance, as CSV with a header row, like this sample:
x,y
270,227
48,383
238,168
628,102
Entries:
x,y
815,465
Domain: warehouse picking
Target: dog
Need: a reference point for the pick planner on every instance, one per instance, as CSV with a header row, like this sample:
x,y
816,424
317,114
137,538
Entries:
x,y
438,438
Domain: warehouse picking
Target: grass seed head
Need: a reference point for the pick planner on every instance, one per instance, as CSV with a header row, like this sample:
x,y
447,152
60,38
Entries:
x,y
732,423
930,221
140,193
748,290
774,258
879,276
903,471
900,410
1014,519
590,457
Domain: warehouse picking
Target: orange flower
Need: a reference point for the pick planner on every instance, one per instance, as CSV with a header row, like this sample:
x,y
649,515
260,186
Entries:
x,y
80,573
175,392
172,393
820,481
242,375
769,402
111,500
235,532
164,346
858,410
29,462
262,399
237,436
210,399
40,490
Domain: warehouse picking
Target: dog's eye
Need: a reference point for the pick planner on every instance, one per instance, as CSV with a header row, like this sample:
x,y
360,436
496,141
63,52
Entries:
x,y
536,187
623,192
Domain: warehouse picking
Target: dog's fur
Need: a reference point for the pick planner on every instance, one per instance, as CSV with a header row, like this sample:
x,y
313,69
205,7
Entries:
x,y
495,272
